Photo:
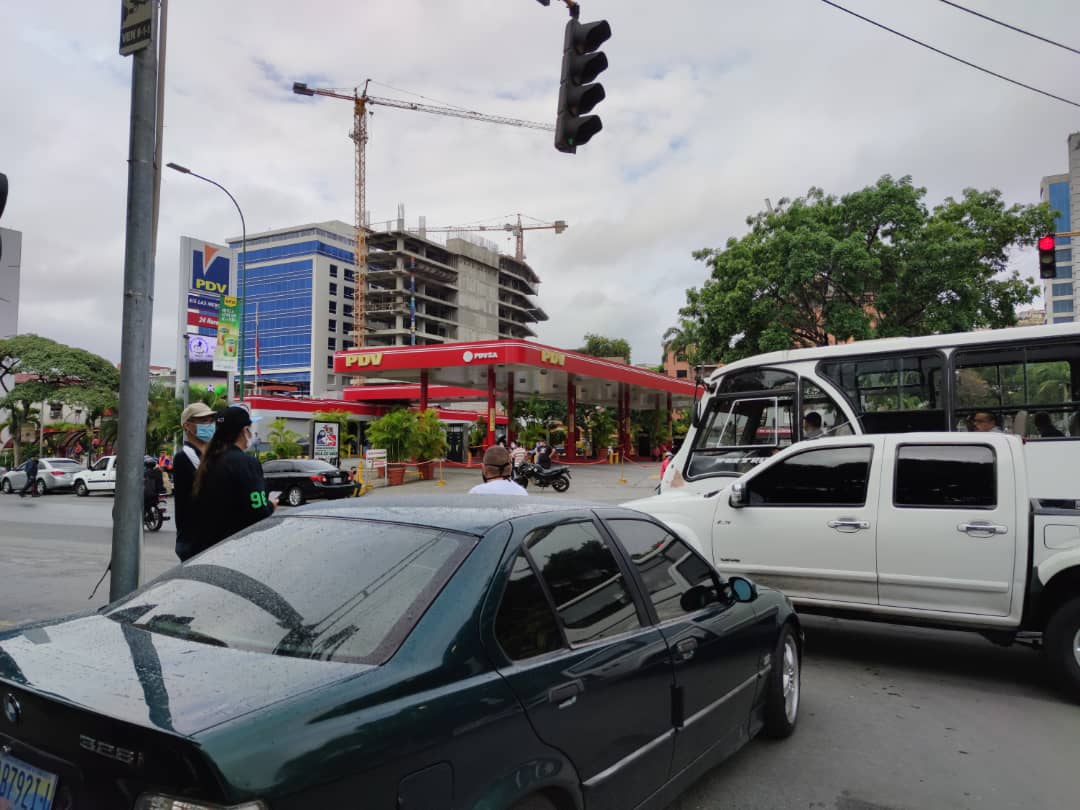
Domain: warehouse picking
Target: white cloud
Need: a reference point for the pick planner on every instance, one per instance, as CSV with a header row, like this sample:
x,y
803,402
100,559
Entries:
x,y
712,107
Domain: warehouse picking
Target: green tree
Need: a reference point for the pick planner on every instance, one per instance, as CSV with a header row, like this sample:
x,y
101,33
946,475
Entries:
x,y
874,263
429,437
600,346
162,419
52,372
284,442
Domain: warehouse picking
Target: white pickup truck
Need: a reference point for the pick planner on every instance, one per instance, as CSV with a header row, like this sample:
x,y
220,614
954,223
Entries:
x,y
100,477
934,529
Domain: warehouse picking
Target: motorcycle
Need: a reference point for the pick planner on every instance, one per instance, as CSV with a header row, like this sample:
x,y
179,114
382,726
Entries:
x,y
154,515
558,478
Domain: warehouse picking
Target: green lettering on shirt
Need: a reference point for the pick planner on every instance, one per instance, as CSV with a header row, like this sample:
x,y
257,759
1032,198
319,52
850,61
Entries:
x,y
258,500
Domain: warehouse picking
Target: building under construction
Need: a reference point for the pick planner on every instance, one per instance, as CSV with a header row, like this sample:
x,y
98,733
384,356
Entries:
x,y
302,298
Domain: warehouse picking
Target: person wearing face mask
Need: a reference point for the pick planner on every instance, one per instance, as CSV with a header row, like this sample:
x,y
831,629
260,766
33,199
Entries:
x,y
197,421
229,492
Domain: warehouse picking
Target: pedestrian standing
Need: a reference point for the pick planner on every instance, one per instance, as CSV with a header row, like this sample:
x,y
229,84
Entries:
x,y
197,422
229,493
518,454
496,475
31,470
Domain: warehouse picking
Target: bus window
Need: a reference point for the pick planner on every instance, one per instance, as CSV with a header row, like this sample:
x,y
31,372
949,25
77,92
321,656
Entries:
x,y
833,420
894,394
750,418
1030,390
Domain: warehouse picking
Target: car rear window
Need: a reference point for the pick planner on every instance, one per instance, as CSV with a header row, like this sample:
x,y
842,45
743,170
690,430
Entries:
x,y
65,464
310,465
329,589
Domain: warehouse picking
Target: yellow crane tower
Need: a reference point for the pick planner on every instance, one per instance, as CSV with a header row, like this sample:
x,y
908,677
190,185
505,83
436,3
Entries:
x,y
517,229
360,101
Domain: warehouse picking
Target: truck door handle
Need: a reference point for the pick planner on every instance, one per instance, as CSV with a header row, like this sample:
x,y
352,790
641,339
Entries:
x,y
848,525
686,648
565,695
981,528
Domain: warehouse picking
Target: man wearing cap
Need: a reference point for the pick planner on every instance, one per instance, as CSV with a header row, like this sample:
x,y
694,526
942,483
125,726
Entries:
x,y
197,421
496,473
229,493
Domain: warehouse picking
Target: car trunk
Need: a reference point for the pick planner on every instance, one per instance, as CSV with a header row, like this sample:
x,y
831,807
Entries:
x,y
111,710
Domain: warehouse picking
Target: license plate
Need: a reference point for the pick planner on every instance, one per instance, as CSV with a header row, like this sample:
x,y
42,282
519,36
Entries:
x,y
24,786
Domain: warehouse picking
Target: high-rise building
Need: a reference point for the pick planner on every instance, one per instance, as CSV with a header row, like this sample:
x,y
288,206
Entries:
x,y
1062,191
10,263
301,298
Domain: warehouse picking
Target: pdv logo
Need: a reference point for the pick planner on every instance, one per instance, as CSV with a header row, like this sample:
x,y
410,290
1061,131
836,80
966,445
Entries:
x,y
209,271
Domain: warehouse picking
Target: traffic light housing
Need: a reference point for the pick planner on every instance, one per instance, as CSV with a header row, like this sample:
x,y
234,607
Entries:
x,y
1047,261
578,93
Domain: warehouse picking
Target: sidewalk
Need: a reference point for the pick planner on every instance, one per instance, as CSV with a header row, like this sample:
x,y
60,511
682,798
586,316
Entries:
x,y
598,482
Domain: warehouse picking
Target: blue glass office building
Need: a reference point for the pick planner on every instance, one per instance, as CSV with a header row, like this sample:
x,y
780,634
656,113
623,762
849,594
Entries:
x,y
1062,191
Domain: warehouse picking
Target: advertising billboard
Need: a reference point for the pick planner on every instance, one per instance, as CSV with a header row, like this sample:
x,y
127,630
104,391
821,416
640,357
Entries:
x,y
325,444
207,274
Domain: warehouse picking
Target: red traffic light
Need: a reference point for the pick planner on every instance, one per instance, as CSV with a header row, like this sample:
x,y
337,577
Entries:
x,y
1046,243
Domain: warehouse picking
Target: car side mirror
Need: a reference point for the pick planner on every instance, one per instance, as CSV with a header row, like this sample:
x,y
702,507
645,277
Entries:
x,y
743,589
737,497
696,598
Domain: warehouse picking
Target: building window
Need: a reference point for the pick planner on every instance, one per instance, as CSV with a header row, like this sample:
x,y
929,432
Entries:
x,y
350,293
331,325
330,362
350,274
1062,289
333,271
1063,271
333,288
1063,256
346,345
331,344
1064,319
331,380
333,308
680,357
1063,306
681,373
347,310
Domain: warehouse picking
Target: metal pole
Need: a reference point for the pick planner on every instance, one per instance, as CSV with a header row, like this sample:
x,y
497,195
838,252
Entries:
x,y
136,331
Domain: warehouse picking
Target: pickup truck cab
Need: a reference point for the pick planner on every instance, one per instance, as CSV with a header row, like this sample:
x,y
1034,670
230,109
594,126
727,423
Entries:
x,y
927,529
100,477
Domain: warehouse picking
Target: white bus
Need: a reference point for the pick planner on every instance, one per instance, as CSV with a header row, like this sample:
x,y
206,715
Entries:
x,y
1022,380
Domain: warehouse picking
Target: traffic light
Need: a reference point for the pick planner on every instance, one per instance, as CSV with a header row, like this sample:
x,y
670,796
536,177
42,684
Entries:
x,y
578,95
1047,268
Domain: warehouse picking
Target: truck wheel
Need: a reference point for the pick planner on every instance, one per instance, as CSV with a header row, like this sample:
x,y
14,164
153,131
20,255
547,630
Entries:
x,y
784,690
80,489
1062,642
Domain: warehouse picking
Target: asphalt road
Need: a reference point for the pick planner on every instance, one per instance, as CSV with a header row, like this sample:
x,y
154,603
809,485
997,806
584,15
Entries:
x,y
892,718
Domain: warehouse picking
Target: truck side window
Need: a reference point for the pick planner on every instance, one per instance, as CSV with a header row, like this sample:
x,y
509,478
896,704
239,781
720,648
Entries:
x,y
525,626
585,582
667,566
835,476
943,476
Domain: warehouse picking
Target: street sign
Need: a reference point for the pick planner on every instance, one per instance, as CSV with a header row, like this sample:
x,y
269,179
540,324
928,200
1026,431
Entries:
x,y
136,25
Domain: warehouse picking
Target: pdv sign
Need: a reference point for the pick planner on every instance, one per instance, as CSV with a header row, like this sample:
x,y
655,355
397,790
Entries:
x,y
210,271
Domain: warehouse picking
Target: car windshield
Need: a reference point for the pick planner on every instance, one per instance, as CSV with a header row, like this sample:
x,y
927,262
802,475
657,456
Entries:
x,y
65,464
330,589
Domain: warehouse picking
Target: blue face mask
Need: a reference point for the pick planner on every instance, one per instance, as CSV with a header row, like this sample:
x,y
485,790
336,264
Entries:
x,y
204,433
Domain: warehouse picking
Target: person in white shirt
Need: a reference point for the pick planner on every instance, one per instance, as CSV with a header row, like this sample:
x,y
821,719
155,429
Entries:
x,y
496,473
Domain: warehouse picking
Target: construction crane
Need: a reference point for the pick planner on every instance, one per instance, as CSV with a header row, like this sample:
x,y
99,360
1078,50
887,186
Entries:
x,y
359,134
518,230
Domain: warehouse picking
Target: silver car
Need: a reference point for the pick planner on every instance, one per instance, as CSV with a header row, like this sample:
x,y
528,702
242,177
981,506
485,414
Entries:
x,y
53,474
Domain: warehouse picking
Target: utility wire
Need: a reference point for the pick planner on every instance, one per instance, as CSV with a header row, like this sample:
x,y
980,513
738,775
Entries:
x,y
988,18
950,56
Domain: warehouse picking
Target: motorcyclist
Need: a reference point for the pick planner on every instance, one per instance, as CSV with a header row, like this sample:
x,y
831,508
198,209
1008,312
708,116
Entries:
x,y
153,483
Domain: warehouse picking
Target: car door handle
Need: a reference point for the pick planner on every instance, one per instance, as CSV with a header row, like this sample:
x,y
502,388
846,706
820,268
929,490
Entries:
x,y
686,648
565,695
848,524
982,528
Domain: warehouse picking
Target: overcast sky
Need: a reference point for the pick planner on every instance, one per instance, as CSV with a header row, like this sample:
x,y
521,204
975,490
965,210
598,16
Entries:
x,y
713,105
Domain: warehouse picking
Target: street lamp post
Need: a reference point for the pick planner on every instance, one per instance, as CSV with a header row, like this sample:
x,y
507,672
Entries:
x,y
242,269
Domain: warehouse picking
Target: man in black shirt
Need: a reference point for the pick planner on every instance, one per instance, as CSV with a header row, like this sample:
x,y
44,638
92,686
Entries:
x,y
197,421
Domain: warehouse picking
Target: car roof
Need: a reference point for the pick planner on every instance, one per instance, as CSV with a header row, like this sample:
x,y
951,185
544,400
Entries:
x,y
474,514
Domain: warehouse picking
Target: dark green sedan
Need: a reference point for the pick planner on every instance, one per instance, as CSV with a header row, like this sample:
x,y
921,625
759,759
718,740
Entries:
x,y
452,653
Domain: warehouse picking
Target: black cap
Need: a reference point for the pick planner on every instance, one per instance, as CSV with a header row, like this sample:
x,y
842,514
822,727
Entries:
x,y
231,421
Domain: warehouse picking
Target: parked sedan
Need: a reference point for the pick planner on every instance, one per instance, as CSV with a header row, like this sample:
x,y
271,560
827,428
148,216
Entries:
x,y
444,653
53,474
304,479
